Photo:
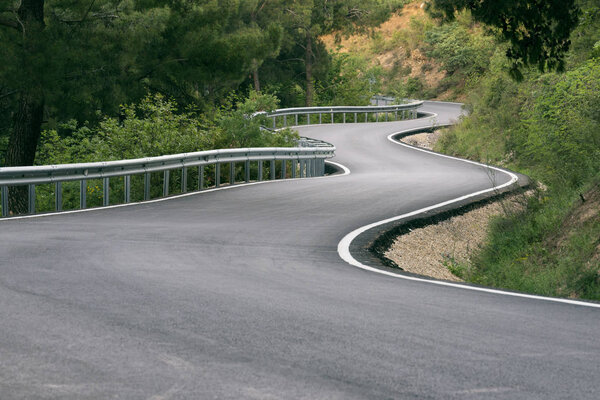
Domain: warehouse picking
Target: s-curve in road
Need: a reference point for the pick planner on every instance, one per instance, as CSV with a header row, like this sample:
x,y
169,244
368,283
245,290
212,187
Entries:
x,y
241,294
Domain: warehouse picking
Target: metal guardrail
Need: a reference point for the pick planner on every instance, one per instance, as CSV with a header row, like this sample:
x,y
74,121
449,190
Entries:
x,y
399,111
305,160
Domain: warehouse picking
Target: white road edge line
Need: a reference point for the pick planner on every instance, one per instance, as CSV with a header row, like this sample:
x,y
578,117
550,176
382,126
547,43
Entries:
x,y
343,248
195,193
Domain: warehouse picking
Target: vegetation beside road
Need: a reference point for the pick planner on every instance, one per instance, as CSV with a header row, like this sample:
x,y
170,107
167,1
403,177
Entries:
x,y
546,125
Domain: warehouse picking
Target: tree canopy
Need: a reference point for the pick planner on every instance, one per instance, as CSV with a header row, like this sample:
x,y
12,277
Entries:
x,y
538,31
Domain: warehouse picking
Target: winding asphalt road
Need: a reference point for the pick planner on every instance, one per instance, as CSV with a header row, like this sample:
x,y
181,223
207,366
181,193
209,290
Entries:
x,y
241,293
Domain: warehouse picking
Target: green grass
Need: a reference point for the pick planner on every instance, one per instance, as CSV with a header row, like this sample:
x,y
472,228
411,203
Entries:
x,y
538,251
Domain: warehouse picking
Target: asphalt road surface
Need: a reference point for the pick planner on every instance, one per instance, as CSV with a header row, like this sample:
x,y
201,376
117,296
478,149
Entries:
x,y
241,294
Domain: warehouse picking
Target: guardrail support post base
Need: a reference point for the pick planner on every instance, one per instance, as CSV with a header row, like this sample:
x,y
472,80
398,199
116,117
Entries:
x,y
272,168
4,194
105,191
184,174
260,171
232,173
82,194
247,171
166,183
58,196
217,175
147,186
127,183
31,199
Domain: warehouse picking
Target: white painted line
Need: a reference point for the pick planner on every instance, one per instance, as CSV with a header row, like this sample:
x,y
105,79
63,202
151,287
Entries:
x,y
344,245
237,185
343,167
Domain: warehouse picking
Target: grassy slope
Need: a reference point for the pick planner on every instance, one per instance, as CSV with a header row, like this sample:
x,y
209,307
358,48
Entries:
x,y
553,247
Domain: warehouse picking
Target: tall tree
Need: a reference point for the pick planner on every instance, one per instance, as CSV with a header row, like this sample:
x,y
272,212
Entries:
x,y
267,15
310,19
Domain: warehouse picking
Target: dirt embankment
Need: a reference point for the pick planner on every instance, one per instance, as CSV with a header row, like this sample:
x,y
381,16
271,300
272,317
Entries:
x,y
430,250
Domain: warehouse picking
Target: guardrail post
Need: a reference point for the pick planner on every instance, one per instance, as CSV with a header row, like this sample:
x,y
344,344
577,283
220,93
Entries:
x,y
309,168
376,117
4,194
31,199
307,119
166,175
366,118
260,170
396,115
332,121
294,166
284,121
217,174
127,184
296,119
82,194
344,118
232,173
184,174
355,117
274,122
273,170
247,171
147,186
58,196
320,119
403,114
200,177
105,192
386,116
314,165
283,171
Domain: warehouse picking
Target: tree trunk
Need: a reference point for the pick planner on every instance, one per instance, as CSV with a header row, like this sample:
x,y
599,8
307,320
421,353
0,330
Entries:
x,y
255,75
23,143
27,120
310,85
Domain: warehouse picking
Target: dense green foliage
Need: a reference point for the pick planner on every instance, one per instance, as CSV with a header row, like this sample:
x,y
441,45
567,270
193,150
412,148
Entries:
x,y
68,63
547,126
153,127
538,31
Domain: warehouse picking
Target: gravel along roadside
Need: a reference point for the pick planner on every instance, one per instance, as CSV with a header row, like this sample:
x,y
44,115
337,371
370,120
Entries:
x,y
429,250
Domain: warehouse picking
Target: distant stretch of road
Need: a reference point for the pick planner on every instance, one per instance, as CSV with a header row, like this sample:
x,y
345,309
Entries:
x,y
241,294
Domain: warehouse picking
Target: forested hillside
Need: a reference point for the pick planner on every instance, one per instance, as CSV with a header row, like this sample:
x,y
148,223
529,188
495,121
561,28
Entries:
x,y
548,126
543,123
